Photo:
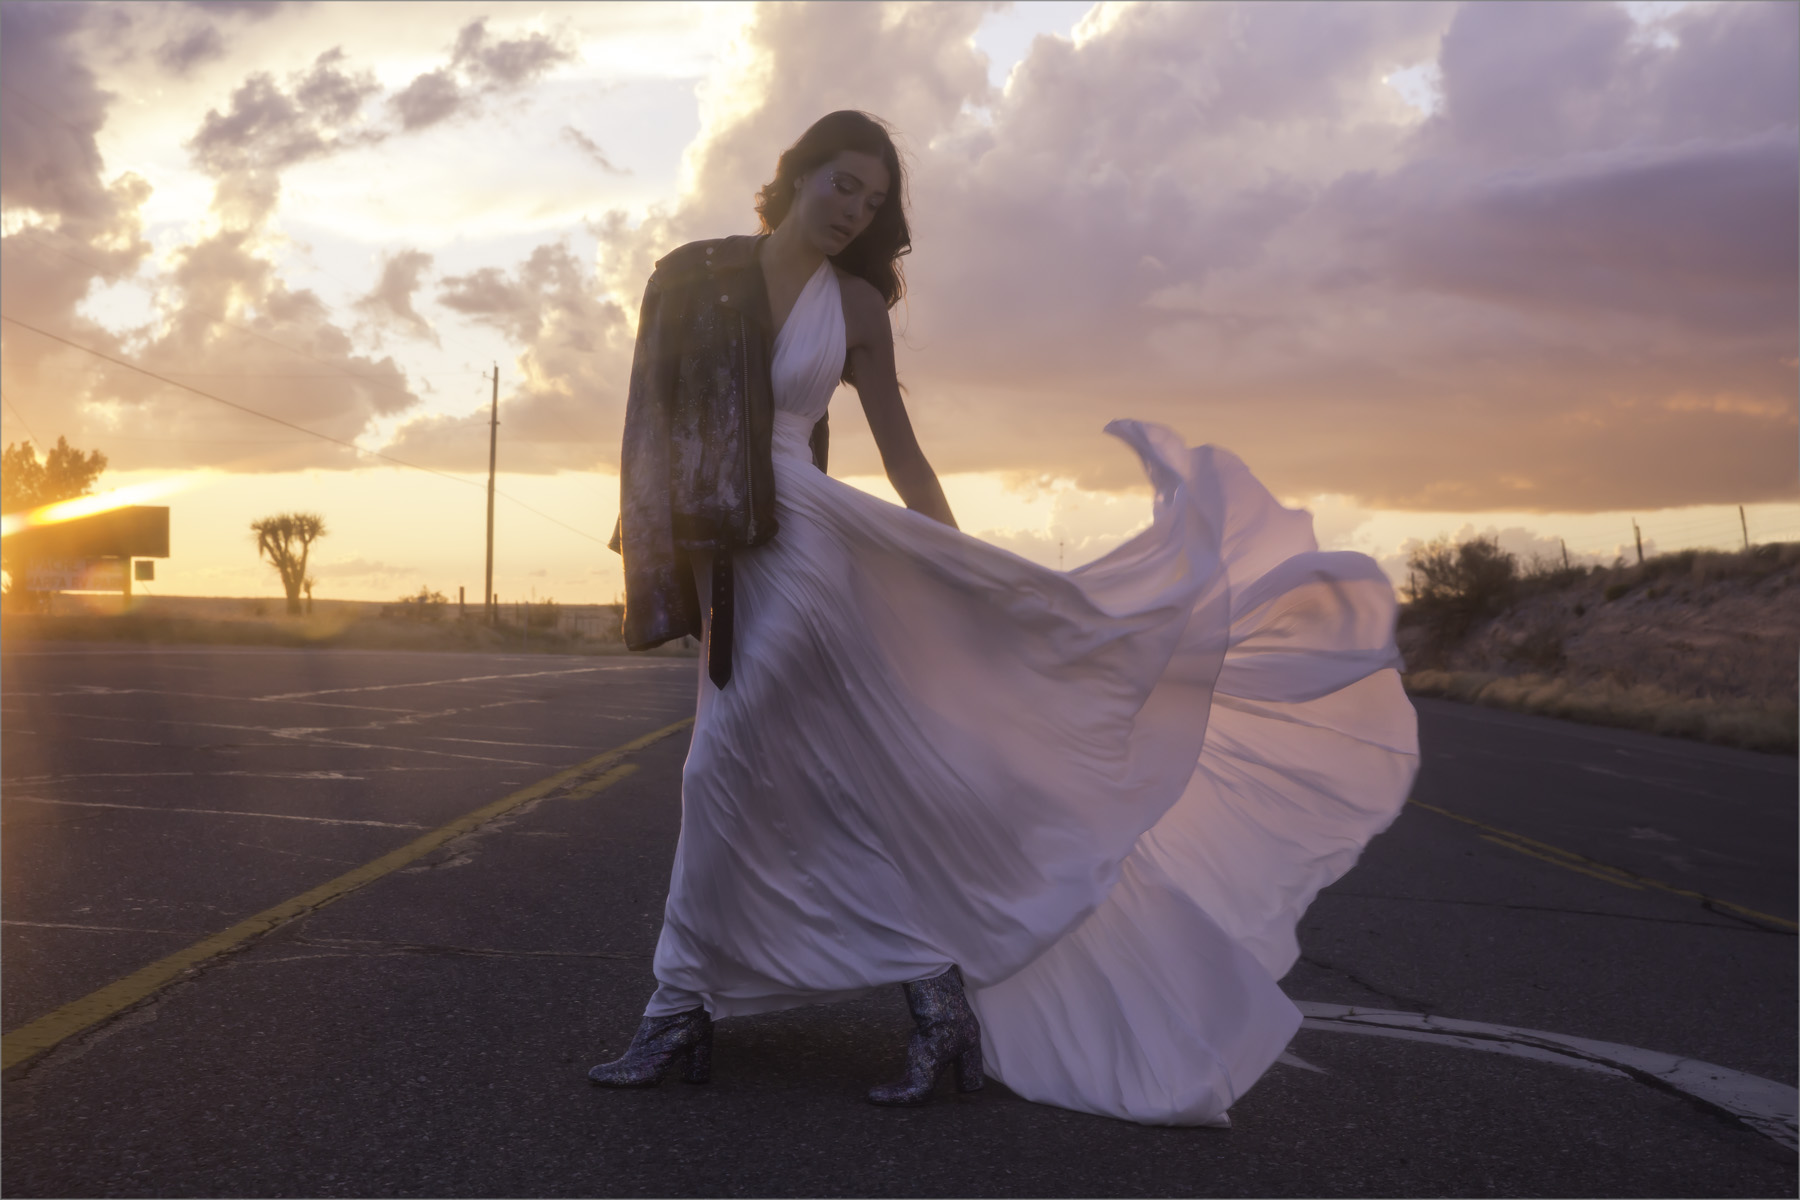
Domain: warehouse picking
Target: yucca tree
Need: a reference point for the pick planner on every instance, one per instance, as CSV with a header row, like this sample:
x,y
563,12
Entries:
x,y
285,540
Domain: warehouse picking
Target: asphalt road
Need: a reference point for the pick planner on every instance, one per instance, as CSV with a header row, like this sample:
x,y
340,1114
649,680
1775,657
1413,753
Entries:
x,y
428,1032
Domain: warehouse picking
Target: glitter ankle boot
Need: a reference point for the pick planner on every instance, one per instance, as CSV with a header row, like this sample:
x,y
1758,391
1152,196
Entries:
x,y
947,1033
659,1041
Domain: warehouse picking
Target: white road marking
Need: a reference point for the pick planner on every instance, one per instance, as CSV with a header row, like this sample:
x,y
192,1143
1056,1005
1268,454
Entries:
x,y
96,928
13,728
511,762
527,745
302,735
1770,1108
41,779
106,775
1290,1059
216,812
286,775
388,687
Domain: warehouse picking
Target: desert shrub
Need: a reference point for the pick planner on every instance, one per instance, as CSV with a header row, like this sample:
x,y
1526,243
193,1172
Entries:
x,y
1541,574
1540,648
1700,567
544,614
428,605
1457,585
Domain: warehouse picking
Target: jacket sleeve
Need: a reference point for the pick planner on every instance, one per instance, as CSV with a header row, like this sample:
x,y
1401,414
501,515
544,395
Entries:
x,y
660,601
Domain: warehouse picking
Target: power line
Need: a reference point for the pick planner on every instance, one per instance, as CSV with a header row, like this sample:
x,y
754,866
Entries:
x,y
289,424
22,420
34,240
31,237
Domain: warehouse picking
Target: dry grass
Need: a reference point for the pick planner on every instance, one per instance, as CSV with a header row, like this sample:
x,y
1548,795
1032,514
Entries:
x,y
340,628
1701,644
1749,724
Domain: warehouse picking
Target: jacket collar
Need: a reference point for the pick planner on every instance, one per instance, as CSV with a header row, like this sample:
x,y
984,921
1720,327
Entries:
x,y
734,253
734,267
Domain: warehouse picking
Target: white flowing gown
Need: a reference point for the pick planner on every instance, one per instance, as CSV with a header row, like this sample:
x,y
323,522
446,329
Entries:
x,y
1106,794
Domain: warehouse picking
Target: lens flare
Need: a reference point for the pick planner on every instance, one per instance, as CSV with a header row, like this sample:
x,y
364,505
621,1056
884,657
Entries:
x,y
87,506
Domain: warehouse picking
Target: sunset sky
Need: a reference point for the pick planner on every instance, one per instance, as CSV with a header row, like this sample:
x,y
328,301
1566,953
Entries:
x,y
1428,268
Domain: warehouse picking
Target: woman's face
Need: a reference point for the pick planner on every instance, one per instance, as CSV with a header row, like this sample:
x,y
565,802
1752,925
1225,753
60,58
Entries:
x,y
838,200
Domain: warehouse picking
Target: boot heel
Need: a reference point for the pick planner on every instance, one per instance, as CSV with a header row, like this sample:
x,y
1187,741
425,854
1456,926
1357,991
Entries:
x,y
945,1034
658,1046
969,1077
699,1063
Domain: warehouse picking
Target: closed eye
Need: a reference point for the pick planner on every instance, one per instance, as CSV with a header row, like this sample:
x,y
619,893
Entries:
x,y
847,184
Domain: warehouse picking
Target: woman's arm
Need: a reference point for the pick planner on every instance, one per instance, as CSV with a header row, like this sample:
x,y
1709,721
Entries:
x,y
871,351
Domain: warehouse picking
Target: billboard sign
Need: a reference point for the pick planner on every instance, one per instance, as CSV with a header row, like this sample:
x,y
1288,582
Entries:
x,y
134,531
77,575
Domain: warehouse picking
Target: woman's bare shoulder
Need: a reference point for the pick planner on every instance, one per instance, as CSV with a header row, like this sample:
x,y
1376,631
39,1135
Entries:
x,y
865,312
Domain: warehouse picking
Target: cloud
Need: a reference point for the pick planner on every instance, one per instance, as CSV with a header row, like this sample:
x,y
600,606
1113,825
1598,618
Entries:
x,y
480,65
1568,287
50,162
506,63
427,100
591,149
568,401
223,320
789,74
1220,218
390,303
70,228
181,54
270,127
572,324
1691,234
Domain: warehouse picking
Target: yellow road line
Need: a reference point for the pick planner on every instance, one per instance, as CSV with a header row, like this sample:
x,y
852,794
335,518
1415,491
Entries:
x,y
1568,858
1568,866
54,1027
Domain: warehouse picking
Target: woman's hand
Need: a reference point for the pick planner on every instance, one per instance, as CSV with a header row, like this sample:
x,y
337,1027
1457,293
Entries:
x,y
870,342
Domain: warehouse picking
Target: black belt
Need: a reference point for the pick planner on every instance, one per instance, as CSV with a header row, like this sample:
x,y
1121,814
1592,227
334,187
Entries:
x,y
718,638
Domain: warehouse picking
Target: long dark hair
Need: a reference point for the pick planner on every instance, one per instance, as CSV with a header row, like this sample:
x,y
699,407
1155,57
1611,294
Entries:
x,y
875,254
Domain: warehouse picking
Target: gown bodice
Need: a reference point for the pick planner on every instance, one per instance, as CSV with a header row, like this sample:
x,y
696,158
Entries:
x,y
808,360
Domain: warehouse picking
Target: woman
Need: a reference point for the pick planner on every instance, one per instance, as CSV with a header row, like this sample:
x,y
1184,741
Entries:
x,y
1101,797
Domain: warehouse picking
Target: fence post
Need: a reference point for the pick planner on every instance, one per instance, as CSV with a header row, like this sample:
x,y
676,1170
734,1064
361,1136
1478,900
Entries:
x,y
1639,535
1745,525
1565,548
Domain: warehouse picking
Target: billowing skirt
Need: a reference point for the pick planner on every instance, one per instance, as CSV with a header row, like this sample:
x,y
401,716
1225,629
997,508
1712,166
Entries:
x,y
1106,794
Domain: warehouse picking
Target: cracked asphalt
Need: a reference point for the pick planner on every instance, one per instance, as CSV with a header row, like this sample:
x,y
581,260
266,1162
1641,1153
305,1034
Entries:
x,y
427,1033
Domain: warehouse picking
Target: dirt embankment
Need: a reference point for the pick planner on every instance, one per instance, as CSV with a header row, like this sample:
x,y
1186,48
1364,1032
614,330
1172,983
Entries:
x,y
1695,644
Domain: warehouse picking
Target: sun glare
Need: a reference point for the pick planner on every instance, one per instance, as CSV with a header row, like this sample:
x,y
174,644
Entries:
x,y
87,506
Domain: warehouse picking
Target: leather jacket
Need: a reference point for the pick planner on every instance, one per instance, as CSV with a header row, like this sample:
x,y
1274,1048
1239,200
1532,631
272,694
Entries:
x,y
696,470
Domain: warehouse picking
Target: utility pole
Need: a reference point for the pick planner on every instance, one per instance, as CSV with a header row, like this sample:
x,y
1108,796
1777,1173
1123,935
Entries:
x,y
1639,535
1746,526
493,448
